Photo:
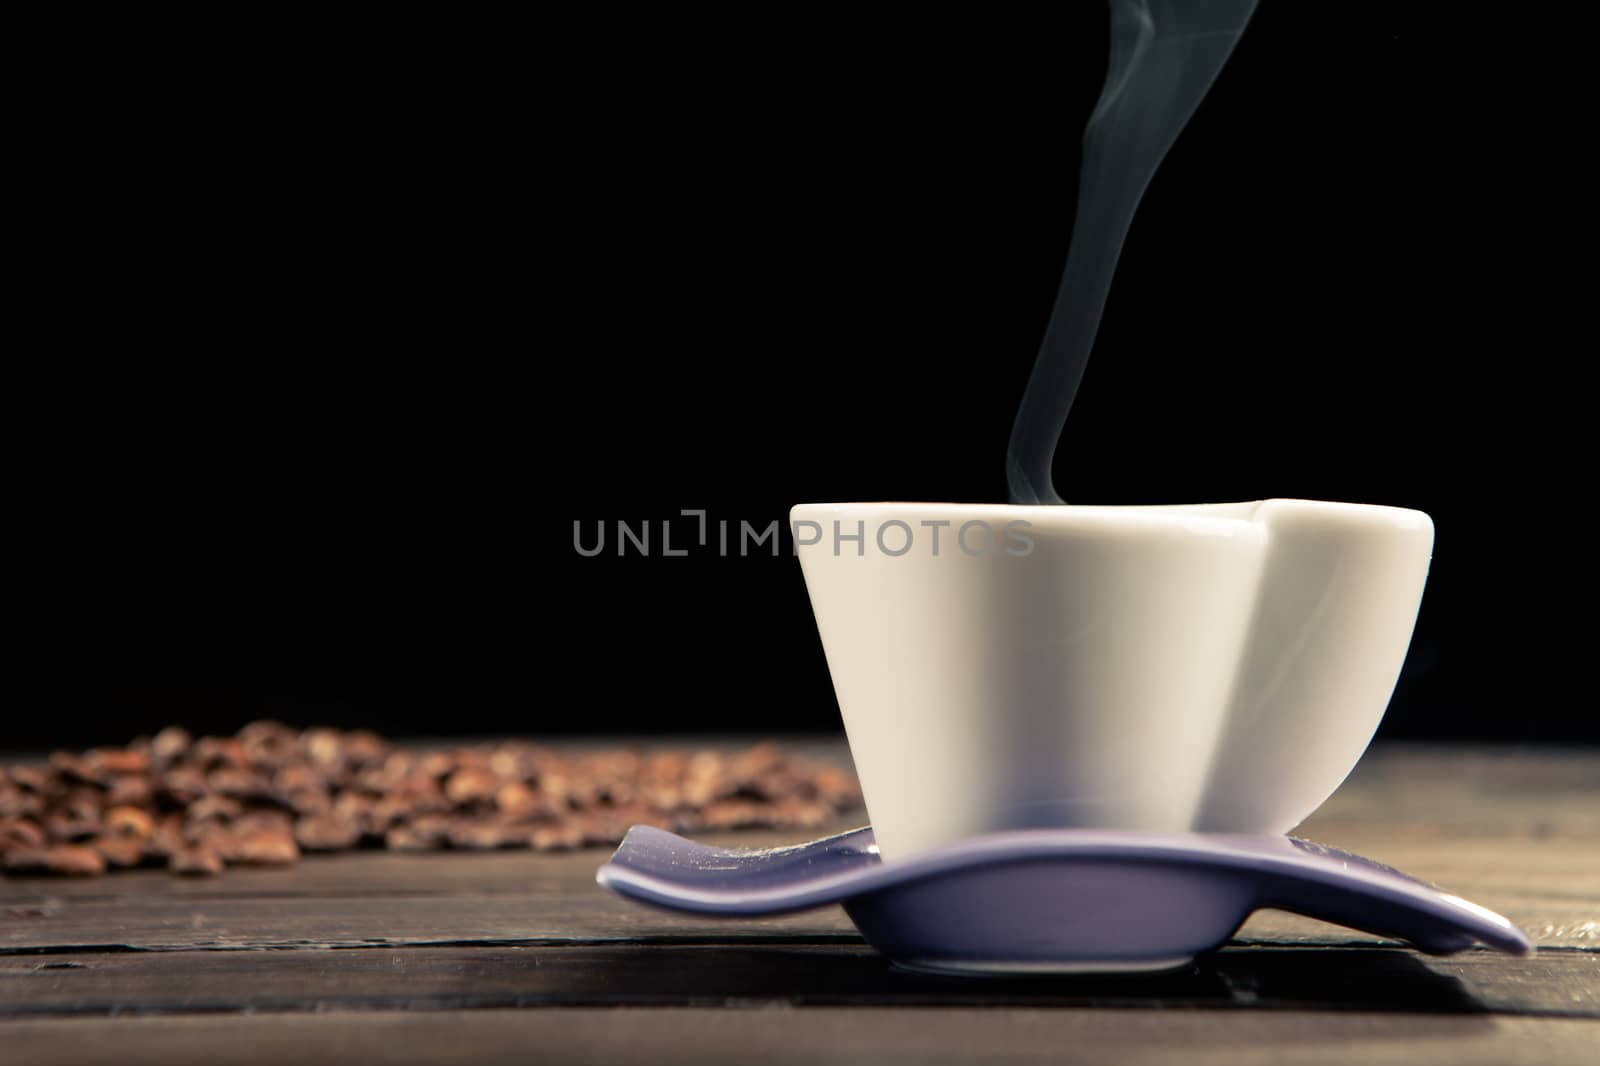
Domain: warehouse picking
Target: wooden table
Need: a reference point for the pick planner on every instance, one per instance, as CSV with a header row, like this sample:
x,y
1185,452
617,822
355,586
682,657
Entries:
x,y
520,957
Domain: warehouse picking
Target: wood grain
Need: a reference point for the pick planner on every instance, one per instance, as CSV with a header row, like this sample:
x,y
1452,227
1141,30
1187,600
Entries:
x,y
780,973
832,1036
488,957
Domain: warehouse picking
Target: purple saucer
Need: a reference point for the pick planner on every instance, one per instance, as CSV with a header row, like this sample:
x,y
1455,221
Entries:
x,y
1054,900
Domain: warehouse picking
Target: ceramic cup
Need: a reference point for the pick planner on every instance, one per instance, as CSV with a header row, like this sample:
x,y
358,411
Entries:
x,y
1213,667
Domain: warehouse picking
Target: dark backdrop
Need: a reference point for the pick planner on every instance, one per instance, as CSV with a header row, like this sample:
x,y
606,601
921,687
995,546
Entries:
x,y
332,333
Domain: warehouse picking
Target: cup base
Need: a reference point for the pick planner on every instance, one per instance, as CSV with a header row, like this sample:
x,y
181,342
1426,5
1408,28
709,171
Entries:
x,y
1043,968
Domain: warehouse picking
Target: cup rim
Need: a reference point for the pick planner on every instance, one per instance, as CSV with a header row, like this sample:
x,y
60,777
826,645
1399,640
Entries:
x,y
1228,511
1086,519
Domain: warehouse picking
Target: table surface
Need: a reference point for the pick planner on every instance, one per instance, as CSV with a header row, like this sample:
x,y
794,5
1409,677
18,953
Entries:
x,y
521,957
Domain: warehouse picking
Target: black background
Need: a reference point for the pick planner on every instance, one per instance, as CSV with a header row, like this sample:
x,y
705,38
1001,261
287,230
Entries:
x,y
333,332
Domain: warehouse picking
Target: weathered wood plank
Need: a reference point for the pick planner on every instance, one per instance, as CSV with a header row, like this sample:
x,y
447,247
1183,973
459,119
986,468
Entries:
x,y
551,912
1512,830
1557,983
1551,890
1508,864
164,924
812,1035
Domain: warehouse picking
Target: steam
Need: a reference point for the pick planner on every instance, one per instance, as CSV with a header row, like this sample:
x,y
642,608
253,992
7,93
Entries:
x,y
1164,56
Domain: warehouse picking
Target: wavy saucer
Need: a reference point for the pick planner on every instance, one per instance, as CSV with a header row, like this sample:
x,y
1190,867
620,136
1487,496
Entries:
x,y
1054,900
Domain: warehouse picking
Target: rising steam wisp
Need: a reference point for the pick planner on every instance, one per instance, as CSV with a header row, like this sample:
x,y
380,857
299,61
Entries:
x,y
1164,56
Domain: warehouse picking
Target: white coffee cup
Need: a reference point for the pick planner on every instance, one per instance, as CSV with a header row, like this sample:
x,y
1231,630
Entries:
x,y
1214,667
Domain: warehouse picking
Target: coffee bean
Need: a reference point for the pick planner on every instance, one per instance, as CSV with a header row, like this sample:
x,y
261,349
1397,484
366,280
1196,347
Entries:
x,y
15,803
837,788
66,860
29,779
801,813
516,800
754,762
129,790
428,832
267,847
214,809
307,801
69,825
510,764
212,753
328,831
20,833
475,835
241,784
195,860
268,743
133,822
436,764
182,785
74,768
606,825
264,821
120,851
556,789
563,837
264,730
734,814
422,794
296,776
169,836
219,838
471,785
363,748
169,744
322,747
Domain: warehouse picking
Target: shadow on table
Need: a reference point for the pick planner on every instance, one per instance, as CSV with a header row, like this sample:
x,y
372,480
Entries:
x,y
1358,979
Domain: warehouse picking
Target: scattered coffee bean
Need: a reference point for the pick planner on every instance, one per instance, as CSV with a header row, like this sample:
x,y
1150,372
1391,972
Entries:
x,y
263,796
